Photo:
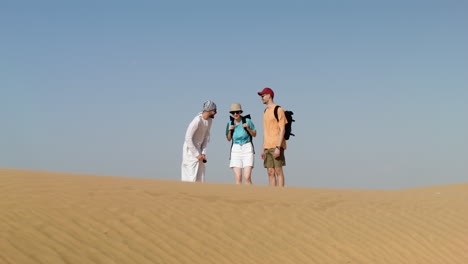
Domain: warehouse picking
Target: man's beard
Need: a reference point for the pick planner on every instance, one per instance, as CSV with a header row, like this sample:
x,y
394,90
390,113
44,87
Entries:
x,y
212,116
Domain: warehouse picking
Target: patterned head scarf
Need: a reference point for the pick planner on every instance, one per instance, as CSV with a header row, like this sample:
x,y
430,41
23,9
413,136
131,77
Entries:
x,y
209,106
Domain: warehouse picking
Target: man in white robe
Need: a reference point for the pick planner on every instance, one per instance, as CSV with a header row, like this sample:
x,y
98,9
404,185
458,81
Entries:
x,y
195,144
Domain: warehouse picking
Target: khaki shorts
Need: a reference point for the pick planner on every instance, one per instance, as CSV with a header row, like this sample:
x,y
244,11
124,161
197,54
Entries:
x,y
270,161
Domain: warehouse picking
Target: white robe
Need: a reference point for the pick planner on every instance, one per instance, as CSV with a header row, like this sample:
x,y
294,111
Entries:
x,y
196,141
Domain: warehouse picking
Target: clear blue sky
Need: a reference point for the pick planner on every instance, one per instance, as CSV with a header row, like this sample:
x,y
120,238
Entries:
x,y
379,88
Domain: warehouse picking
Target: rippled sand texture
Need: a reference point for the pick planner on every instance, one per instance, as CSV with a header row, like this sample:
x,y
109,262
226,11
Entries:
x,y
48,217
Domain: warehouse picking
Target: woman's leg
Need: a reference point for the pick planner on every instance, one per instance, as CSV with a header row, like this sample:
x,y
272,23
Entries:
x,y
248,175
238,174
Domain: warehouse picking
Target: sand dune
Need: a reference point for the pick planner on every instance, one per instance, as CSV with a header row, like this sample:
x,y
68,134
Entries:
x,y
48,217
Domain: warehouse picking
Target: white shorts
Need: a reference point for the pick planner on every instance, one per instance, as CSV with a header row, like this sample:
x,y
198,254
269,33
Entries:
x,y
242,155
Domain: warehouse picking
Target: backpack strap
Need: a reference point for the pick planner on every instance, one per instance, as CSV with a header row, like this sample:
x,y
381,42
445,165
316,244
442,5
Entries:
x,y
232,123
244,120
276,112
232,134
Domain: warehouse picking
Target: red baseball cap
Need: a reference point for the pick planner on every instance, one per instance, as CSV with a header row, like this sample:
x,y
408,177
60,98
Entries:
x,y
267,91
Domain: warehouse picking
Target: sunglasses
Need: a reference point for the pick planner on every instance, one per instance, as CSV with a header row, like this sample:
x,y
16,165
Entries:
x,y
236,112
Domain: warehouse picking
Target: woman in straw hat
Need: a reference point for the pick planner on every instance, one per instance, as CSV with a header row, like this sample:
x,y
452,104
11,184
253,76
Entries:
x,y
241,130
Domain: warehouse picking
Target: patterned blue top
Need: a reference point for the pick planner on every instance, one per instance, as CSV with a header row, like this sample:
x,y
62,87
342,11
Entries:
x,y
240,136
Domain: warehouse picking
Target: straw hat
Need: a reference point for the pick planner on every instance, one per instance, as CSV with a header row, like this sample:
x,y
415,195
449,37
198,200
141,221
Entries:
x,y
236,107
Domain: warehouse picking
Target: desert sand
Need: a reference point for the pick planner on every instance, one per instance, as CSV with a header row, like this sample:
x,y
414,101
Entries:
x,y
49,217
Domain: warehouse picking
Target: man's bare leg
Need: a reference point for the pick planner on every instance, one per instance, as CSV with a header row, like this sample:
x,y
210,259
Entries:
x,y
279,172
271,176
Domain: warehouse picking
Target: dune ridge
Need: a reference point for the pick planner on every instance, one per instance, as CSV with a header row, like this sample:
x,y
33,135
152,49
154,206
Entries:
x,y
50,217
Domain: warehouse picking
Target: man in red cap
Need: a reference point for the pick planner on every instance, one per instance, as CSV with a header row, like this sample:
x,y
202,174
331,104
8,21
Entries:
x,y
274,143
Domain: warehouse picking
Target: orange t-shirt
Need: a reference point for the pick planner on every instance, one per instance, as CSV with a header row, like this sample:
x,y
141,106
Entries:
x,y
271,127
